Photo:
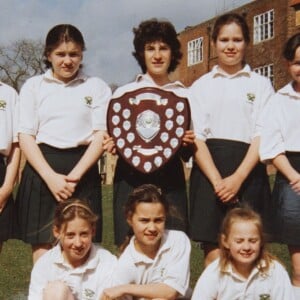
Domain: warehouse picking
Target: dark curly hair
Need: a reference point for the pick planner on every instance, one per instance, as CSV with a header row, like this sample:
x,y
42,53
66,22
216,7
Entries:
x,y
155,30
61,33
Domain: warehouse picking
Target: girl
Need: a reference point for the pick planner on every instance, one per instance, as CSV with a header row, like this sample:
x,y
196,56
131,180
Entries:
x,y
280,144
62,119
245,270
74,268
155,264
9,158
157,50
226,112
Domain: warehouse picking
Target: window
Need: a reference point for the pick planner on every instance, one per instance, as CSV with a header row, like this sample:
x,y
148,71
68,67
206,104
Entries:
x,y
195,51
267,71
263,26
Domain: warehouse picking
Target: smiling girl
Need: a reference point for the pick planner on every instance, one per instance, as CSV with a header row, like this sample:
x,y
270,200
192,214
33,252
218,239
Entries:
x,y
245,270
74,268
155,263
226,112
280,144
62,122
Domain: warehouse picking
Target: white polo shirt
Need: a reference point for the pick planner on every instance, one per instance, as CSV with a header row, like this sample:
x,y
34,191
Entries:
x,y
86,282
170,266
144,80
63,115
8,118
229,106
212,285
281,130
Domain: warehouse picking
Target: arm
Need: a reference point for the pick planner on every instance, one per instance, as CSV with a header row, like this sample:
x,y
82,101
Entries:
x,y
91,155
149,291
283,165
205,162
56,182
229,186
13,161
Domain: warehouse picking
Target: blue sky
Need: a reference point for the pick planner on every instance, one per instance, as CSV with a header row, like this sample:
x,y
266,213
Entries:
x,y
106,25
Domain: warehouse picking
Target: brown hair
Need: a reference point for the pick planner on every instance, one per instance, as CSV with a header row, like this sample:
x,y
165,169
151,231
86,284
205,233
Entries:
x,y
69,210
146,193
238,214
59,34
227,19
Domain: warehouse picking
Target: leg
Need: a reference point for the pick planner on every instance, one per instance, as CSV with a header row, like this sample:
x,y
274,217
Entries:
x,y
57,290
39,250
211,252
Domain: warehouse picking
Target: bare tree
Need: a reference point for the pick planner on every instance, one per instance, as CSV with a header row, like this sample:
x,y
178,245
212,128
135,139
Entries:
x,y
21,60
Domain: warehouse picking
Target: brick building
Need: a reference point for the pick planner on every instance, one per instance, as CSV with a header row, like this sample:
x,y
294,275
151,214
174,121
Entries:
x,y
270,22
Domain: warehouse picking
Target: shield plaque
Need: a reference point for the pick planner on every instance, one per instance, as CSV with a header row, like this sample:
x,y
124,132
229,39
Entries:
x,y
148,125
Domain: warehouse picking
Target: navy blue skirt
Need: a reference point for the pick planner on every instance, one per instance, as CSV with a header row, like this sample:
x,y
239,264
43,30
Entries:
x,y
286,207
6,216
206,209
35,204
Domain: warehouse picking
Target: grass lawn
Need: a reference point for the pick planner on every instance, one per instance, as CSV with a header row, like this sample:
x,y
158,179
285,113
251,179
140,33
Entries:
x,y
15,259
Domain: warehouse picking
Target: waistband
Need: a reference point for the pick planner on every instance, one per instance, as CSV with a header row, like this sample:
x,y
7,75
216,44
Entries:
x,y
227,143
50,149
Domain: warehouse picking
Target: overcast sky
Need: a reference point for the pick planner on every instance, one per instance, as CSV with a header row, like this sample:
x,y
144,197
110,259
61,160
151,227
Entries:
x,y
106,26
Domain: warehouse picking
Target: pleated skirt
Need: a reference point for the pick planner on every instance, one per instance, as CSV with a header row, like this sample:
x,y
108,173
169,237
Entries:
x,y
35,204
286,207
169,178
6,216
206,209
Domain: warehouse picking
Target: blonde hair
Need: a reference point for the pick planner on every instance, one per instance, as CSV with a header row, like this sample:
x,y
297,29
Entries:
x,y
264,259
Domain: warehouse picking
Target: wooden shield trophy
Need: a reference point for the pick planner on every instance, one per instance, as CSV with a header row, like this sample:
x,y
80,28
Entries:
x,y
148,125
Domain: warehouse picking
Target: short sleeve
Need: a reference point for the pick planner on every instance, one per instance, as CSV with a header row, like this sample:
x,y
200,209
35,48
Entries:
x,y
102,97
207,285
28,117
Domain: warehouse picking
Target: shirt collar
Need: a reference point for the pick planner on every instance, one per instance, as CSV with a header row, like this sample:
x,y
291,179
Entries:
x,y
48,75
142,258
216,71
289,91
229,270
148,79
91,263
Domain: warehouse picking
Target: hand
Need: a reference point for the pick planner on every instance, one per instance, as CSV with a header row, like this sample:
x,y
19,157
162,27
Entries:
x,y
59,186
228,187
113,293
108,144
188,138
295,184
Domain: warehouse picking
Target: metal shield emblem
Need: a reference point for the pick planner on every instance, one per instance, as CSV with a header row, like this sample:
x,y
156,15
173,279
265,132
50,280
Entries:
x,y
147,126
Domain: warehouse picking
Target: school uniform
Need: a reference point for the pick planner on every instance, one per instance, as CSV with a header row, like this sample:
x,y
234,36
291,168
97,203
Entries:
x,y
62,117
170,266
281,134
170,178
227,115
216,285
8,136
86,282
